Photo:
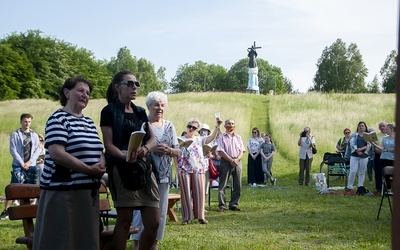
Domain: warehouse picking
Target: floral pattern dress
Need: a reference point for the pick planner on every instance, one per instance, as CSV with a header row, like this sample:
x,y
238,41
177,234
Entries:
x,y
191,159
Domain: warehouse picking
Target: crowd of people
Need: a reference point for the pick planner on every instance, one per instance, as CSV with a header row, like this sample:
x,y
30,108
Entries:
x,y
362,156
70,160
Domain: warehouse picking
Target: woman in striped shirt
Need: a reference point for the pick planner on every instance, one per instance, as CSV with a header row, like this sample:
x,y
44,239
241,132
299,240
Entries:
x,y
68,212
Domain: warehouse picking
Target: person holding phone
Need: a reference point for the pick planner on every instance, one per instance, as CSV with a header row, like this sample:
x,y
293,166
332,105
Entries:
x,y
305,142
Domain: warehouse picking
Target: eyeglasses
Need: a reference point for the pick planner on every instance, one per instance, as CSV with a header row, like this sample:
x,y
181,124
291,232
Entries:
x,y
130,84
231,123
347,133
191,127
254,132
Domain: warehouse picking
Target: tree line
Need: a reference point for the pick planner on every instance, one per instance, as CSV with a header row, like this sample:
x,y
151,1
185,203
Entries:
x,y
35,66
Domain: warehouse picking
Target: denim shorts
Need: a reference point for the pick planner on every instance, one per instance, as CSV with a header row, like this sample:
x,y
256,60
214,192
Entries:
x,y
20,175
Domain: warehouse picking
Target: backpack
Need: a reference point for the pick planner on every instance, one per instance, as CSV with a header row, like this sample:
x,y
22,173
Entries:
x,y
362,191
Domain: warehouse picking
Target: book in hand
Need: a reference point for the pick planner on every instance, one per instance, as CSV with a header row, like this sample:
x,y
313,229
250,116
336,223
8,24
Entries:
x,y
207,148
184,143
135,141
371,136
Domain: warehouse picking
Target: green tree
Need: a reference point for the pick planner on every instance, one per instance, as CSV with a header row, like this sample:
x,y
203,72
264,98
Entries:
x,y
373,87
147,77
340,69
198,77
16,72
388,73
289,86
123,61
52,61
162,79
238,76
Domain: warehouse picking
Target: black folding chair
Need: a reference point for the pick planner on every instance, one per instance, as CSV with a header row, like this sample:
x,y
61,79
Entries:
x,y
387,173
333,164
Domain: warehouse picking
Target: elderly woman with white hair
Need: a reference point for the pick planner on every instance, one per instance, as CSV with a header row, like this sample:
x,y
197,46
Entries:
x,y
167,147
191,172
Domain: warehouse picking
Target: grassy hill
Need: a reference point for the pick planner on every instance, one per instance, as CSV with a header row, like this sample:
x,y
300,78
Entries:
x,y
286,217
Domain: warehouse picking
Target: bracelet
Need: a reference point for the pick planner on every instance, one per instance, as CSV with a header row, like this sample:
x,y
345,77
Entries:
x,y
148,151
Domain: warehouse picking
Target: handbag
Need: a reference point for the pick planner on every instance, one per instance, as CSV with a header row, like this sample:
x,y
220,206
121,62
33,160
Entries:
x,y
314,149
133,175
213,170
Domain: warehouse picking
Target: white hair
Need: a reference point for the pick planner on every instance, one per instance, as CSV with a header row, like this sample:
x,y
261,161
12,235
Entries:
x,y
156,96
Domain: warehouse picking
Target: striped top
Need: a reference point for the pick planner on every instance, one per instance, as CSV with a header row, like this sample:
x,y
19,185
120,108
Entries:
x,y
81,139
233,146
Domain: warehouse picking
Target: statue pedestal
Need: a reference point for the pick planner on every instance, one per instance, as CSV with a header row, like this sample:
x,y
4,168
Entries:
x,y
253,81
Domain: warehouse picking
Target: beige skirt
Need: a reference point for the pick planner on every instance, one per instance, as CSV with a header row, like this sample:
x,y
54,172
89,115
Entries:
x,y
123,197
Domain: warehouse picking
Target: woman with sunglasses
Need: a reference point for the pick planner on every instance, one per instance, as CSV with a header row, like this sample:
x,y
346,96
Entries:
x,y
255,173
118,120
191,172
342,145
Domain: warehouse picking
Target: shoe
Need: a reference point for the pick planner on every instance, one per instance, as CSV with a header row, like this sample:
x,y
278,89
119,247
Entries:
x,y
203,221
4,215
347,189
16,203
221,209
184,222
234,209
274,182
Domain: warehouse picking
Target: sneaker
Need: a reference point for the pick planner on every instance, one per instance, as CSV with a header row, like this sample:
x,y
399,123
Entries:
x,y
274,182
4,215
16,203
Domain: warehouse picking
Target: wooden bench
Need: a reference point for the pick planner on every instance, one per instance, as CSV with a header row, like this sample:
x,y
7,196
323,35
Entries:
x,y
172,199
27,212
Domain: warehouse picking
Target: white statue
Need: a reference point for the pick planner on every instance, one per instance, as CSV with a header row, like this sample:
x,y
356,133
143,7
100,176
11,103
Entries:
x,y
253,69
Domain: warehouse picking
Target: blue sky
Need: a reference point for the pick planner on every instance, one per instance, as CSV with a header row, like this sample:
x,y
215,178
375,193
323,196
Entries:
x,y
292,33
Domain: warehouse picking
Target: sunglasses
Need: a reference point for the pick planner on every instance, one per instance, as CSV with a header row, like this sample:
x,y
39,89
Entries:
x,y
347,133
130,84
254,132
191,127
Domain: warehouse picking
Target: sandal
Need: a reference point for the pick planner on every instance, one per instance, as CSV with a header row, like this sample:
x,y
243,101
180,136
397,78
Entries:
x,y
203,221
184,222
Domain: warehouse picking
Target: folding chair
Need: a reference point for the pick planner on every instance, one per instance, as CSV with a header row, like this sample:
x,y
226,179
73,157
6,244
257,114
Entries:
x,y
211,187
387,171
337,167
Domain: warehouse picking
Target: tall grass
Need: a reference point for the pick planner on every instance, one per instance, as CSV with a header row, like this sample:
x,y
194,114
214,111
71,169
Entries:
x,y
284,217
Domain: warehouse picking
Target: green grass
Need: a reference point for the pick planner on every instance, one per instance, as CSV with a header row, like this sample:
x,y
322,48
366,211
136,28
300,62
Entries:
x,y
284,217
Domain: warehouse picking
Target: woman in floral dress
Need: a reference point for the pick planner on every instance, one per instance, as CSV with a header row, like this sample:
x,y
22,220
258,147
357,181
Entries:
x,y
191,172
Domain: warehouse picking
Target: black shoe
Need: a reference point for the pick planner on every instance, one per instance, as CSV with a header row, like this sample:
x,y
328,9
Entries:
x,y
4,215
234,208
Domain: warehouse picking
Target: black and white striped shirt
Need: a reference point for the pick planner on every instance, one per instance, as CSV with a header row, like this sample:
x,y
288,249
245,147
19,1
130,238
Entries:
x,y
81,139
